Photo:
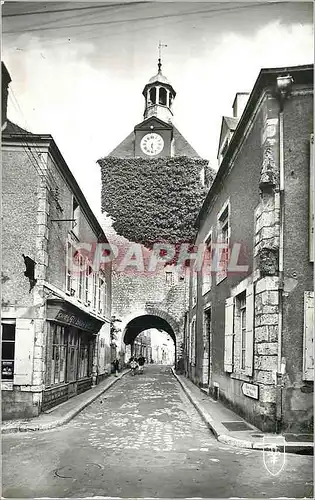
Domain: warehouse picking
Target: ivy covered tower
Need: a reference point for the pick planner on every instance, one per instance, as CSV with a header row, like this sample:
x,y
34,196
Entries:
x,y
152,190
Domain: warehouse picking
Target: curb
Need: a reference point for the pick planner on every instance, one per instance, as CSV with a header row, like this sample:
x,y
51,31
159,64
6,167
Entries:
x,y
297,448
62,420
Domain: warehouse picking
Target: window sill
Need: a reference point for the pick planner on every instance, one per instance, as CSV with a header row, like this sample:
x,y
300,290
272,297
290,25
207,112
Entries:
x,y
241,376
219,280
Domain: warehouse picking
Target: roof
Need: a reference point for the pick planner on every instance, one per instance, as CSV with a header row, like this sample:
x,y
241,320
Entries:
x,y
182,146
15,133
126,149
13,129
228,123
302,75
231,122
159,78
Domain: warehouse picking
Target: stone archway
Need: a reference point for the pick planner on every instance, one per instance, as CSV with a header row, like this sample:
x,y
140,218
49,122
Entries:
x,y
156,318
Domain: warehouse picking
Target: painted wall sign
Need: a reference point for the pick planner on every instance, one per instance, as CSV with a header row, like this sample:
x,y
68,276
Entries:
x,y
71,319
250,390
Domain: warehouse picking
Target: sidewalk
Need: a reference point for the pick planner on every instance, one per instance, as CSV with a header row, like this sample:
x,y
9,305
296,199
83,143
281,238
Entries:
x,y
63,413
230,428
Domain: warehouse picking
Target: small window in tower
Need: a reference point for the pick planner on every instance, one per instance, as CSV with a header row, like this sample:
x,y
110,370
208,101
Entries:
x,y
162,96
170,100
152,95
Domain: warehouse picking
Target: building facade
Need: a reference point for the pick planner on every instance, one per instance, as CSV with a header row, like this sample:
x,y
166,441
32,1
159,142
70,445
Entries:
x,y
249,327
56,294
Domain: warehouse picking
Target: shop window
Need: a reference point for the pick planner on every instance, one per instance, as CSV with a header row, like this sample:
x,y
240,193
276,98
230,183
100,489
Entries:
x,y
162,96
58,360
83,366
7,349
152,96
72,355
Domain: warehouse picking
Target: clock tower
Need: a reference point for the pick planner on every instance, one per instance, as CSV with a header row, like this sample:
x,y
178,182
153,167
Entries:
x,y
156,136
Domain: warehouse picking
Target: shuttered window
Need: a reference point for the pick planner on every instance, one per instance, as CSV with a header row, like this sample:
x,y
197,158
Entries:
x,y
311,200
308,341
249,355
239,333
228,335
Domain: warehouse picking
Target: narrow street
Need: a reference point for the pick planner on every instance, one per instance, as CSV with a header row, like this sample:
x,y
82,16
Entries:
x,y
142,438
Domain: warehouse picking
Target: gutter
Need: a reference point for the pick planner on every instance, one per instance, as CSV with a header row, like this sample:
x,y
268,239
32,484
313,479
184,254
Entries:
x,y
284,84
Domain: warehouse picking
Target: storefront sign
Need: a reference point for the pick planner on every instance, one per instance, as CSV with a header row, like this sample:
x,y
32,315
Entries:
x,y
250,390
73,320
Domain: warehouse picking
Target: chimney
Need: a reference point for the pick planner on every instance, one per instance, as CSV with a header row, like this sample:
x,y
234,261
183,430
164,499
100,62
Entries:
x,y
5,80
239,103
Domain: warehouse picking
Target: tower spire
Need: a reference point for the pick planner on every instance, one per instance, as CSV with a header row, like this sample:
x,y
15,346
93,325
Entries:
x,y
161,45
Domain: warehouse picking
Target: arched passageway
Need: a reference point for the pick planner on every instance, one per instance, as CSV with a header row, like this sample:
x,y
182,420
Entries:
x,y
147,322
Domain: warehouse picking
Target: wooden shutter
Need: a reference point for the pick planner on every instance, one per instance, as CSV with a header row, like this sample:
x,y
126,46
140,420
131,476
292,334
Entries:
x,y
249,354
24,352
311,198
308,341
228,335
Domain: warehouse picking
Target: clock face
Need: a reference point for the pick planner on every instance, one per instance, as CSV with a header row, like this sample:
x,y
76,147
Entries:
x,y
152,144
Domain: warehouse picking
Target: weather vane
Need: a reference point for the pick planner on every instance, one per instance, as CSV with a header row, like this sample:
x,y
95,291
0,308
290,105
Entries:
x,y
161,45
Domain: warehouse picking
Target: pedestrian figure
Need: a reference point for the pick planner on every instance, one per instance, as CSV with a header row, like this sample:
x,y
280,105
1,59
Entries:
x,y
116,366
141,362
133,366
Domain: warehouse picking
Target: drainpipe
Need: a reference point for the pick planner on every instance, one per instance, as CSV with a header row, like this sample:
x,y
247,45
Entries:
x,y
284,84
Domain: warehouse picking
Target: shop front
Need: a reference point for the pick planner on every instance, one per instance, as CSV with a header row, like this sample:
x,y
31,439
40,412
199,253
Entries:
x,y
71,366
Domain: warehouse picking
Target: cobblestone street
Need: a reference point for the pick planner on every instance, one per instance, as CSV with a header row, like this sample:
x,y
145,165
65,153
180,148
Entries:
x,y
142,438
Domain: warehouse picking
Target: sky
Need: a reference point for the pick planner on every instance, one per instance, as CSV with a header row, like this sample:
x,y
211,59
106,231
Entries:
x,y
78,74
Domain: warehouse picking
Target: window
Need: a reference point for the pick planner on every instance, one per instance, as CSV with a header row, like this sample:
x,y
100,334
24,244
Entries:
x,y
88,271
193,342
242,310
69,267
194,287
72,356
100,299
7,349
239,331
83,368
169,278
75,217
162,96
223,239
207,342
206,269
152,96
105,304
94,292
58,359
81,278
